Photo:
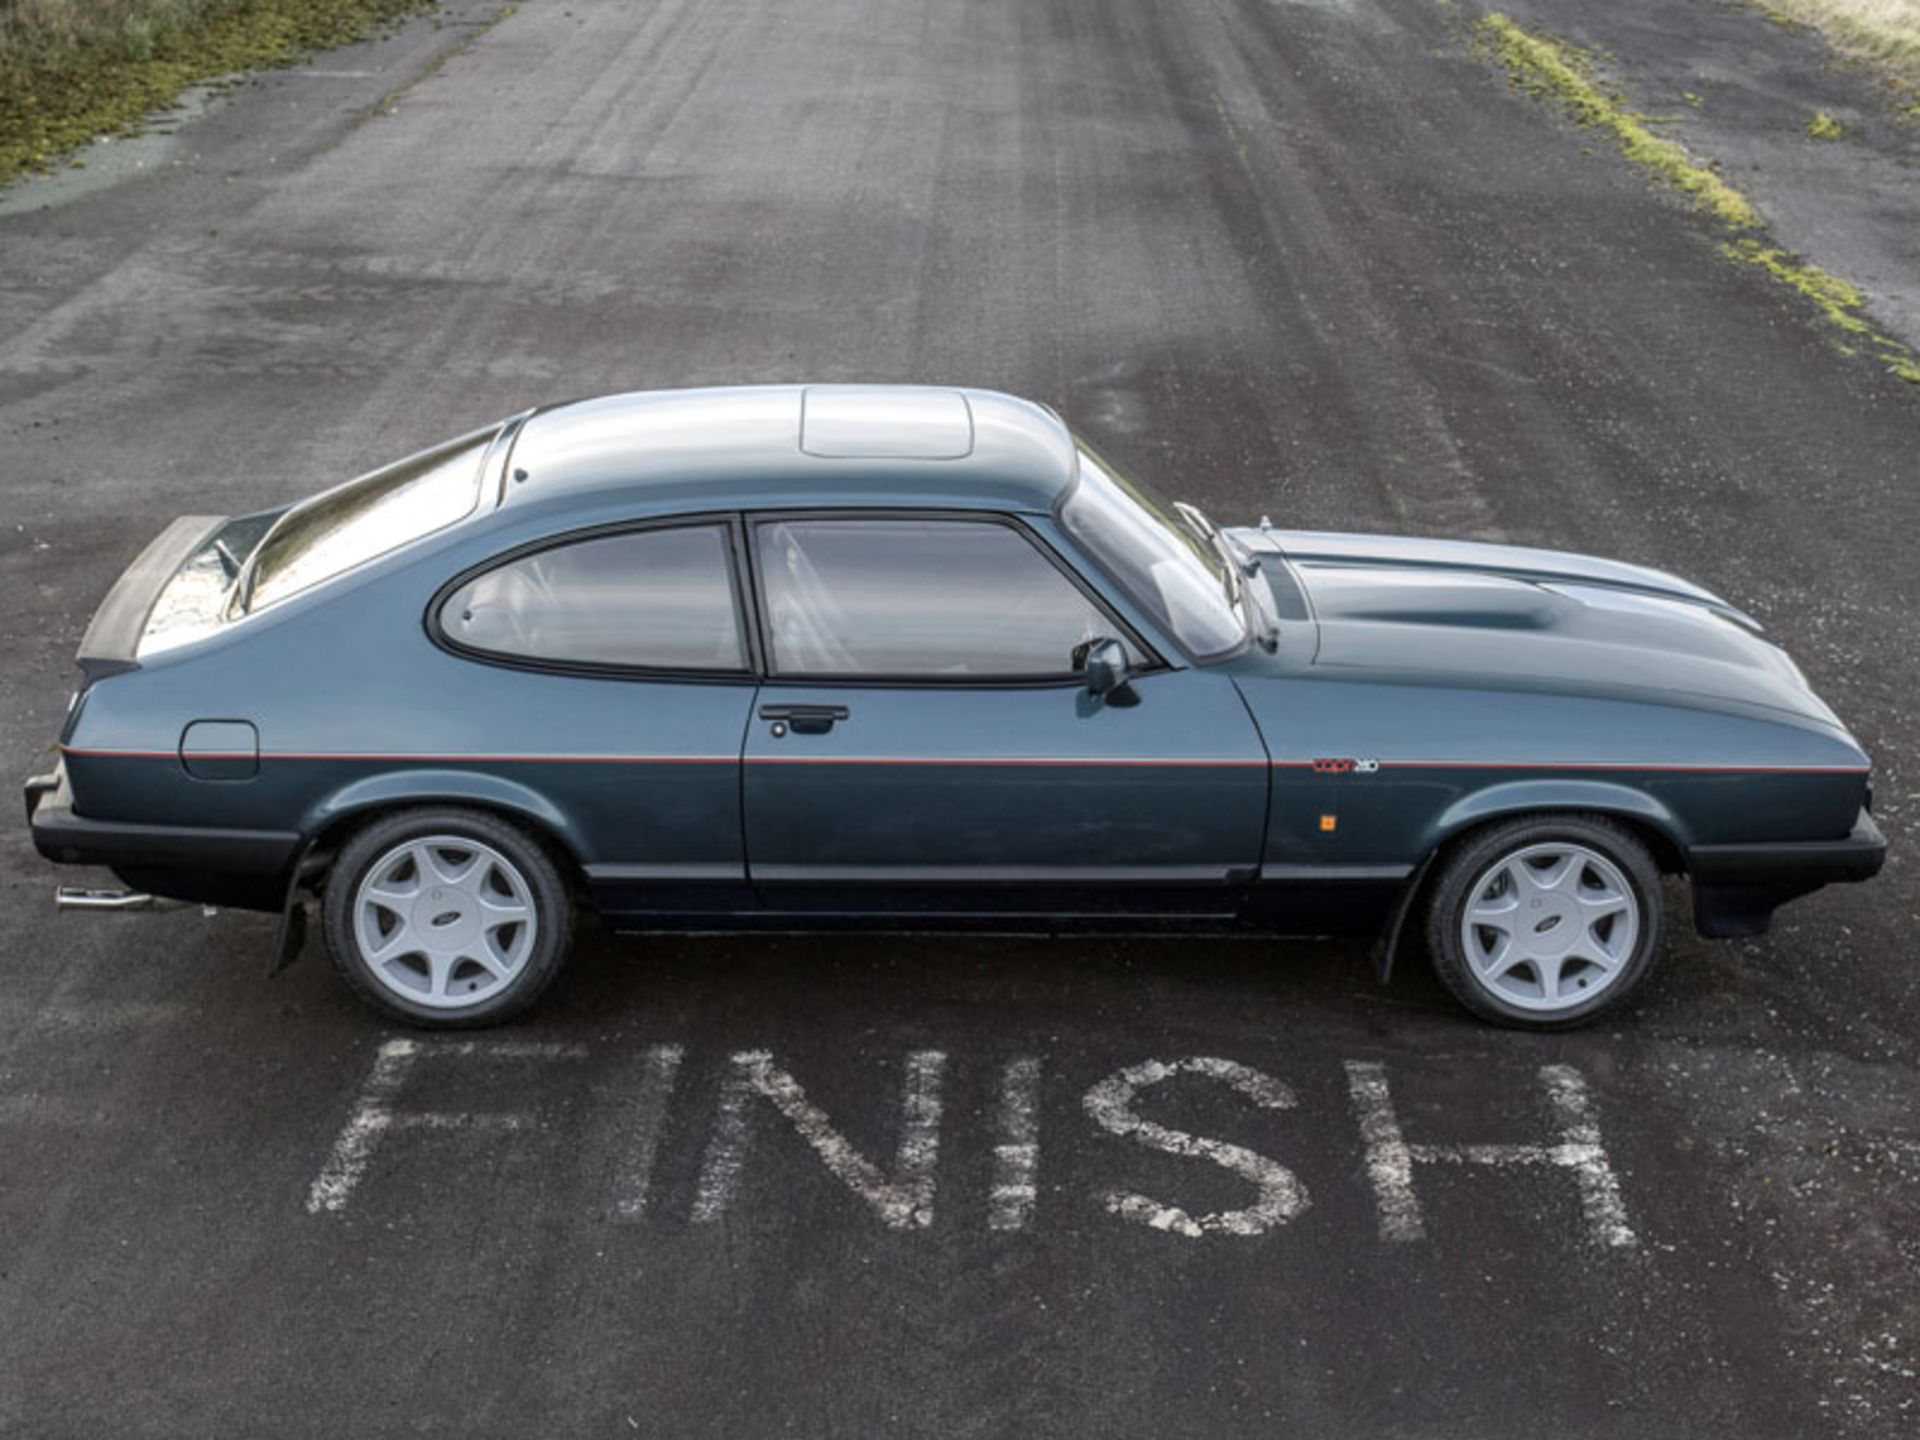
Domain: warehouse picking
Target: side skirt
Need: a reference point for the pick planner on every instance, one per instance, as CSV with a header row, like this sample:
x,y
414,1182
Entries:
x,y
1296,902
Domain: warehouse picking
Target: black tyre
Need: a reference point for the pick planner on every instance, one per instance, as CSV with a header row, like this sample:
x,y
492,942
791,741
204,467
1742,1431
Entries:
x,y
1545,922
446,917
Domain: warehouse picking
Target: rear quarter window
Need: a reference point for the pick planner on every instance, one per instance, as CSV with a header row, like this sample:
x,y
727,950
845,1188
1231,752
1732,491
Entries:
x,y
649,599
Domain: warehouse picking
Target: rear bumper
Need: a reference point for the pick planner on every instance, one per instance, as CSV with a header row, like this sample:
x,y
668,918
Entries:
x,y
247,869
1736,888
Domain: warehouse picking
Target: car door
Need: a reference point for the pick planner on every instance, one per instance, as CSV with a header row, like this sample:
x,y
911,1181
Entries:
x,y
924,741
636,682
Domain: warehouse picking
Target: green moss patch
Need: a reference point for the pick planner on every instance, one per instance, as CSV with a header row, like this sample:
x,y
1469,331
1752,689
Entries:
x,y
1840,300
1557,71
1824,127
55,99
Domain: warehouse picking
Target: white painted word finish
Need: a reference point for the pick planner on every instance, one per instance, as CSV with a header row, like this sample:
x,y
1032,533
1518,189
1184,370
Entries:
x,y
901,1193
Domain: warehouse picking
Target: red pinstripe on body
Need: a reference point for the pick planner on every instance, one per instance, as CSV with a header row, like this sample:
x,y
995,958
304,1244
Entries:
x,y
1643,767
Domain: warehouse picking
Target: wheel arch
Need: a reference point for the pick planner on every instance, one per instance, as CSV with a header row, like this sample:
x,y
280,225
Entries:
x,y
1664,832
1649,821
335,819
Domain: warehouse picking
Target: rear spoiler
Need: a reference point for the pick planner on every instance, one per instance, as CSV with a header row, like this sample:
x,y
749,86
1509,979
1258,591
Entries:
x,y
112,640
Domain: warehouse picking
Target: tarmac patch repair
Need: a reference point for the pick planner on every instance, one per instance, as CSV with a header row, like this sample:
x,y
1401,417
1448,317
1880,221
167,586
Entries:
x,y
900,1193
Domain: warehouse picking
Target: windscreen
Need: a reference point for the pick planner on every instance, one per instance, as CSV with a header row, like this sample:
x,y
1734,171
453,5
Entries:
x,y
346,527
1138,539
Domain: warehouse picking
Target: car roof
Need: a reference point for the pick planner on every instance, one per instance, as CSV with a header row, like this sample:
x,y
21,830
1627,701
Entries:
x,y
796,445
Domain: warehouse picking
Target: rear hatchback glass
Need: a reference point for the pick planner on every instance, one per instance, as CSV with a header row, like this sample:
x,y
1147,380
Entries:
x,y
367,518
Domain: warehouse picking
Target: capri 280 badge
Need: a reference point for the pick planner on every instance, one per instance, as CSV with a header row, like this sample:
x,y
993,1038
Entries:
x,y
1342,765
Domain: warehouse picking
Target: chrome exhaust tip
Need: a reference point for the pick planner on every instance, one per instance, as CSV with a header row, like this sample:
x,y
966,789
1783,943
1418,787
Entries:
x,y
75,897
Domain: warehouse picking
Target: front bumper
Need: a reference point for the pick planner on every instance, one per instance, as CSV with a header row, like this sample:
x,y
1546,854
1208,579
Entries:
x,y
1736,888
246,869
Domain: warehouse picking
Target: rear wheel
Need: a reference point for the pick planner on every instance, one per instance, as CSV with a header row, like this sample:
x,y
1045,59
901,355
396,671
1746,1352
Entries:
x,y
447,918
1545,922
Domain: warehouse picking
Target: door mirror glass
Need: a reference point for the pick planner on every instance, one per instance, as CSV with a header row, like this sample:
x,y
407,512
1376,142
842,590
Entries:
x,y
1105,667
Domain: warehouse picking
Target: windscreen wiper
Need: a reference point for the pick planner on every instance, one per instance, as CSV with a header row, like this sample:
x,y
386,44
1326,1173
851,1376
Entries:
x,y
1208,534
1195,519
1236,562
1247,558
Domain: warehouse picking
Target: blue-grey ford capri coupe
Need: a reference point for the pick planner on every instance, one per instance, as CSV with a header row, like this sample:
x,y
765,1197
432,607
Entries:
x,y
838,655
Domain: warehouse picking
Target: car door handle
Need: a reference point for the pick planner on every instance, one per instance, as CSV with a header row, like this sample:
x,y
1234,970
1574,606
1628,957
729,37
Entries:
x,y
805,719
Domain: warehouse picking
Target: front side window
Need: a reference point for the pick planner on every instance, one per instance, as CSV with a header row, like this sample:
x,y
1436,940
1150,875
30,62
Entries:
x,y
652,599
1141,541
361,521
941,599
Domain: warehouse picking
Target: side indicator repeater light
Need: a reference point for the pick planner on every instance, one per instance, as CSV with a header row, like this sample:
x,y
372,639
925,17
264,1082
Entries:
x,y
1329,823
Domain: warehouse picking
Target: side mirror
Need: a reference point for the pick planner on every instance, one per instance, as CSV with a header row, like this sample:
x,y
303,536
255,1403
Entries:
x,y
1104,663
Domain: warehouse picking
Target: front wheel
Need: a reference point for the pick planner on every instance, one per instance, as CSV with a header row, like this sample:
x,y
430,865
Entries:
x,y
1545,922
447,918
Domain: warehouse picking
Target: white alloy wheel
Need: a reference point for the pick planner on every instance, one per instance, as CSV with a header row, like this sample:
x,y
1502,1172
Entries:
x,y
1550,926
444,921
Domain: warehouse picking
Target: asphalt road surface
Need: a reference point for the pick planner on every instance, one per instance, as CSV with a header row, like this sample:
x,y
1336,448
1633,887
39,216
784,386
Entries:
x,y
1315,260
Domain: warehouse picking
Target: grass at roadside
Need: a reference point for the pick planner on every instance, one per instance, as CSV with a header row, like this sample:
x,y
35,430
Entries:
x,y
1557,71
74,69
1554,70
1884,32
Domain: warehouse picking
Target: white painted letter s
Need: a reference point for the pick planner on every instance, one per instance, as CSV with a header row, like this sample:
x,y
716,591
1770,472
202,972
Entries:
x,y
1281,1196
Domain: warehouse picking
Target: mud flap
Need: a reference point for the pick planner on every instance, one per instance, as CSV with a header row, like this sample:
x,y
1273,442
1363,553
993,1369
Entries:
x,y
292,941
293,933
1387,945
